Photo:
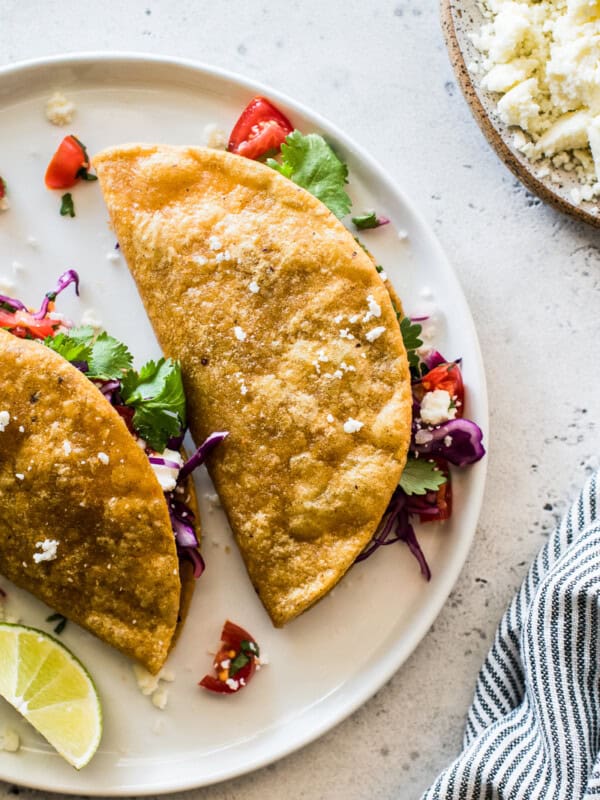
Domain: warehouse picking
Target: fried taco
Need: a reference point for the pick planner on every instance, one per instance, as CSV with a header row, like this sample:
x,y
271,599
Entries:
x,y
98,514
287,338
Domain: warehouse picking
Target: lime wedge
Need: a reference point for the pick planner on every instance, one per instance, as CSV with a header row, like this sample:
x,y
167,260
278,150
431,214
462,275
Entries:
x,y
52,690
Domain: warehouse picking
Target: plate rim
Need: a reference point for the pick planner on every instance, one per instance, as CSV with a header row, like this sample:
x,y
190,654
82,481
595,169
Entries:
x,y
391,661
493,132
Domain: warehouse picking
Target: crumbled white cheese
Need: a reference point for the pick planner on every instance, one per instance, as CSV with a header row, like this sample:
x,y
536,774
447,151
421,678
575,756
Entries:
x,y
374,308
215,137
19,476
239,333
10,741
167,475
347,367
353,319
67,448
4,420
160,697
200,260
436,407
254,287
224,256
21,429
48,550
423,436
213,501
374,333
337,319
447,441
352,425
151,686
345,334
232,684
90,319
103,458
214,243
542,57
59,110
383,275
330,418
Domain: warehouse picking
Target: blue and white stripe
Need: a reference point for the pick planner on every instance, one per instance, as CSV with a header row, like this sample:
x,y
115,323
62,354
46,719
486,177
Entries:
x,y
533,729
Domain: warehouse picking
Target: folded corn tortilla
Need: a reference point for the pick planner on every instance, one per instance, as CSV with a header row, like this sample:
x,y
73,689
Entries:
x,y
84,525
287,339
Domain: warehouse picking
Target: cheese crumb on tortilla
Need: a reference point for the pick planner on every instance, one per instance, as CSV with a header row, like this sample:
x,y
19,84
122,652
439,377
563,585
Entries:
x,y
352,425
240,334
4,420
48,548
374,333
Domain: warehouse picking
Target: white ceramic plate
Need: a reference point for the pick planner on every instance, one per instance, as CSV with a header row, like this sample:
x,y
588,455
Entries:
x,y
332,659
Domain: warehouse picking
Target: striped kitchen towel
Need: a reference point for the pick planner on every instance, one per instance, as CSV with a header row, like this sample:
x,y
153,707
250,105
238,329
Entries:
x,y
533,729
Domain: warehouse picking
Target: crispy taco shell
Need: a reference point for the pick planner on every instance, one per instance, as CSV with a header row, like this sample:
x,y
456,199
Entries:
x,y
115,570
267,300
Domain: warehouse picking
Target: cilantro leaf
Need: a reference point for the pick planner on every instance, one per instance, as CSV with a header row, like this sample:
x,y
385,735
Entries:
x,y
238,663
366,221
67,206
410,335
421,476
69,347
157,395
311,163
109,358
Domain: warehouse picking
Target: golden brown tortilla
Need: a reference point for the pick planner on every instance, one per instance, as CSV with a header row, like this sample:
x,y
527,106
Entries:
x,y
116,568
283,369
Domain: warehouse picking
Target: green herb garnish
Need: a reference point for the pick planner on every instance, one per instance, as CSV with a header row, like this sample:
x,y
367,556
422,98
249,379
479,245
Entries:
x,y
311,163
67,207
60,619
366,221
157,395
410,335
421,476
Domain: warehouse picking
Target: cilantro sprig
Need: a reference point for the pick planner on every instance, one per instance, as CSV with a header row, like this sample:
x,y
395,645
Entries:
x,y
411,332
156,393
421,476
107,358
311,163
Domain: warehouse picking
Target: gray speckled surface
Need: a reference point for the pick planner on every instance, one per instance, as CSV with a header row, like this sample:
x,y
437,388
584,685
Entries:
x,y
532,277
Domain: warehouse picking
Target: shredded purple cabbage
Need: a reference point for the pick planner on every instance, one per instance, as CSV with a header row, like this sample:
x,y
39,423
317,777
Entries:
x,y
459,441
434,359
199,456
182,522
15,304
163,462
395,527
66,279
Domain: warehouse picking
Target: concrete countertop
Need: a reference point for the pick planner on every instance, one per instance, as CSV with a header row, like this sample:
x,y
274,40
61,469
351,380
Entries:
x,y
532,277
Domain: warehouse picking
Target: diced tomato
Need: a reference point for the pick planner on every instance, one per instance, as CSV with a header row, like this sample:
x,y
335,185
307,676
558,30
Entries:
x,y
448,377
22,323
260,128
236,646
444,496
68,164
2,188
